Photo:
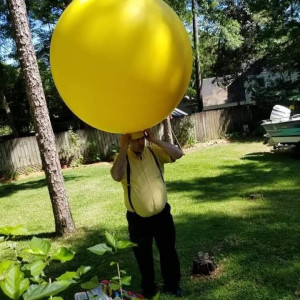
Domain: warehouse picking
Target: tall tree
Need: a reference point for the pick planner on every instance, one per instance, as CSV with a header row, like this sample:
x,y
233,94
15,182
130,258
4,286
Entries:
x,y
63,219
198,77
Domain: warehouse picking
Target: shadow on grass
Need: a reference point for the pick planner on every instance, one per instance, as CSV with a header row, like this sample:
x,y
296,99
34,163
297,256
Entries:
x,y
260,248
241,180
245,139
25,238
7,189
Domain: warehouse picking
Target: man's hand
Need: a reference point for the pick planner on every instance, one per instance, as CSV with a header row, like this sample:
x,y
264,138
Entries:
x,y
124,141
149,135
172,150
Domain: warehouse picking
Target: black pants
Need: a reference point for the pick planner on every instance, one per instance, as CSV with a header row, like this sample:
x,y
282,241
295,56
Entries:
x,y
161,228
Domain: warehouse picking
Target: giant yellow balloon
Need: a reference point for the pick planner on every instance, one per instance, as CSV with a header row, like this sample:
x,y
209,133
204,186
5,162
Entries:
x,y
120,65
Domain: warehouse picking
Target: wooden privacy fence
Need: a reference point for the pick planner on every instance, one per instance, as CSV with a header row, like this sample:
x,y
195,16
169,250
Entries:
x,y
21,155
214,124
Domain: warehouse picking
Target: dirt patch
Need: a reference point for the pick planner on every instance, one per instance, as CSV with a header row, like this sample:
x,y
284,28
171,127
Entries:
x,y
203,145
213,276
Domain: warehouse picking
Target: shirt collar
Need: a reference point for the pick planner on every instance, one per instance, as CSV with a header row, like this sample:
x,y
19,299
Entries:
x,y
136,156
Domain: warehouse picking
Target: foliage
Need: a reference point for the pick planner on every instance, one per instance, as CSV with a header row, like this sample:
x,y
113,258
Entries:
x,y
185,133
232,35
5,130
12,87
26,279
71,155
9,174
113,245
91,153
113,151
280,89
11,231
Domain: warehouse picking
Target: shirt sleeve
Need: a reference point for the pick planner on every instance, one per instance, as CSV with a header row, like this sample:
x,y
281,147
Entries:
x,y
161,154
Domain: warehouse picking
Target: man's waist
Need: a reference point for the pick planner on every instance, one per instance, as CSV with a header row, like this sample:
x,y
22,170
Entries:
x,y
165,209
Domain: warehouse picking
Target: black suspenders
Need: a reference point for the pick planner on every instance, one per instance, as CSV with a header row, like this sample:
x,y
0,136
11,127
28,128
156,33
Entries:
x,y
156,161
128,183
128,175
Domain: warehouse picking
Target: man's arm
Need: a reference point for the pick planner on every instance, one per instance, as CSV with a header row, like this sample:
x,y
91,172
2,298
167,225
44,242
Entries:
x,y
172,150
118,169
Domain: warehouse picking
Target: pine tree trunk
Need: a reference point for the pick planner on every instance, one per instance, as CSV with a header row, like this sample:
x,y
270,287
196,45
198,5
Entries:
x,y
168,130
63,219
197,59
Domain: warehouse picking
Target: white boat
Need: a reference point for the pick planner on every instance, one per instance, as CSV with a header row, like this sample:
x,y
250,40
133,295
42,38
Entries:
x,y
282,128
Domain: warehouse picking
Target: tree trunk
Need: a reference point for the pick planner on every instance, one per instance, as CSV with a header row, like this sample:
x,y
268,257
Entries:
x,y
168,130
197,59
45,137
9,115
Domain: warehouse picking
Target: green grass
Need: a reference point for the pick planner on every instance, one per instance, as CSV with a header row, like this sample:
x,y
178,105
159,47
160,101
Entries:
x,y
256,242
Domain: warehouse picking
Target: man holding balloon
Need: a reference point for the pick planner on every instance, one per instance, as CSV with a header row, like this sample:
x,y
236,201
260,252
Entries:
x,y
121,66
140,170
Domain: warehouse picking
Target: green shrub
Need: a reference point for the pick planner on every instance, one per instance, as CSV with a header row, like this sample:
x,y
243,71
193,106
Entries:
x,y
71,155
185,133
9,173
92,153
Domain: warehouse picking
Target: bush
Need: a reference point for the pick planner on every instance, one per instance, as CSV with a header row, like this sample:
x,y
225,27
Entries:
x,y
185,134
92,153
71,156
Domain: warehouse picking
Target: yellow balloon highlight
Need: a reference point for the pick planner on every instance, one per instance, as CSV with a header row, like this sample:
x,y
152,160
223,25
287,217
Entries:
x,y
120,65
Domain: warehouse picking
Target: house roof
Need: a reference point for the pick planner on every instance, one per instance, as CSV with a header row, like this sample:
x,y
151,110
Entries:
x,y
213,93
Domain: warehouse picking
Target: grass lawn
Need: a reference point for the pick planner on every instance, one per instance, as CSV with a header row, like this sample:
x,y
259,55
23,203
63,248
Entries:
x,y
254,239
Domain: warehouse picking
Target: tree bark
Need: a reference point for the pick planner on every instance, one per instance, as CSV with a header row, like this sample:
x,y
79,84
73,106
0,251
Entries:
x,y
45,137
197,59
168,130
9,115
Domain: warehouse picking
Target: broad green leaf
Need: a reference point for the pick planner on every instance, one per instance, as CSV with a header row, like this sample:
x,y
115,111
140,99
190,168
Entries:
x,y
100,249
82,270
125,244
37,267
114,286
38,247
14,230
68,276
126,280
112,241
4,266
14,284
41,291
37,279
63,254
156,297
115,278
94,282
2,238
112,263
56,298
